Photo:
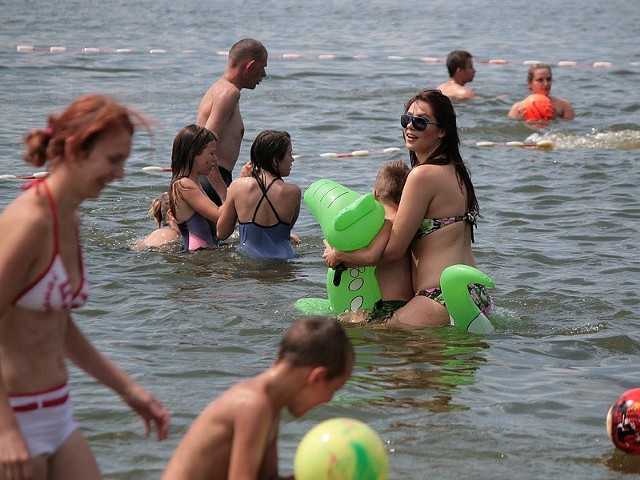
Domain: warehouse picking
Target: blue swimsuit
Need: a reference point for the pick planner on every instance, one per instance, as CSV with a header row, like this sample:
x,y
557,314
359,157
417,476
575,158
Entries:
x,y
271,242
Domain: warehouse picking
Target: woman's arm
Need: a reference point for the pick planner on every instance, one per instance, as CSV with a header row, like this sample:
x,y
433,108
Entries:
x,y
416,197
363,257
516,110
565,110
14,455
83,354
193,195
228,214
296,199
22,229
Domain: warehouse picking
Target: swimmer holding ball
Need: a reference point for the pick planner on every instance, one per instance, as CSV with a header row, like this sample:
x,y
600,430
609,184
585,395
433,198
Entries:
x,y
534,107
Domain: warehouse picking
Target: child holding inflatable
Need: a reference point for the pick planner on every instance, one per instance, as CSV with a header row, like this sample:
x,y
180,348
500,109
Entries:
x,y
236,435
394,278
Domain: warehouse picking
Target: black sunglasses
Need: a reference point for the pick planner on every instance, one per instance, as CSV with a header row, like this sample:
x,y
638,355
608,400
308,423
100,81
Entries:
x,y
419,123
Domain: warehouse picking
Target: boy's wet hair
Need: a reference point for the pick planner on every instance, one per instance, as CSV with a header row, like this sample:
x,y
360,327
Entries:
x,y
390,181
317,341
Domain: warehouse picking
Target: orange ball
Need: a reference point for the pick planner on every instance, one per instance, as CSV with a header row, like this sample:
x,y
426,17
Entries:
x,y
537,107
623,422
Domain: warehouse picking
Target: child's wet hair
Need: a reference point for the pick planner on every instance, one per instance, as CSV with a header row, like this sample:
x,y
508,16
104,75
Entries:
x,y
317,341
390,181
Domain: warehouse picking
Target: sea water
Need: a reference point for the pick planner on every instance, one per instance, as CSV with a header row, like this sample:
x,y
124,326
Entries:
x,y
558,233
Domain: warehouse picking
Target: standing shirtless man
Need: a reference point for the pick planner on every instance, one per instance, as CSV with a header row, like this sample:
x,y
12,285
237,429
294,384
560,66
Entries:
x,y
219,109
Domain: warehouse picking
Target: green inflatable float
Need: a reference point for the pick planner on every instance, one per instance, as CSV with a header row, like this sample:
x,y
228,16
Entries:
x,y
463,312
350,221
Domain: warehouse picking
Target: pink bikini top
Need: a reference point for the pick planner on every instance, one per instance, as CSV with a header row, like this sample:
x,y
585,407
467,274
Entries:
x,y
52,289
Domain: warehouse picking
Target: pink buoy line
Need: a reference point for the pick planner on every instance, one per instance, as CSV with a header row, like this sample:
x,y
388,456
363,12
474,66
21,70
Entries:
x,y
541,145
321,57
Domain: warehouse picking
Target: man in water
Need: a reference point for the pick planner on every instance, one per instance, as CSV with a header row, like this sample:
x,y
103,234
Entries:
x,y
219,109
461,71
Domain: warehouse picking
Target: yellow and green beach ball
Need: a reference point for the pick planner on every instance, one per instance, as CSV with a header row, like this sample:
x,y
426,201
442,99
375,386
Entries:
x,y
341,449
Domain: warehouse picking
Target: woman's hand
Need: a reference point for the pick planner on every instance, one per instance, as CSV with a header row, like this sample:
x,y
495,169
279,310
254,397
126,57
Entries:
x,y
149,408
15,461
246,169
330,255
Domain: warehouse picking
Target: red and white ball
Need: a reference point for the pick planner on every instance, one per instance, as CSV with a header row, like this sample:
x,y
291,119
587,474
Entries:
x,y
623,422
537,107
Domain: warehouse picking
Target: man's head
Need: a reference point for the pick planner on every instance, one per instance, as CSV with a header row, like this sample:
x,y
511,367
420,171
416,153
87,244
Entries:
x,y
460,66
249,57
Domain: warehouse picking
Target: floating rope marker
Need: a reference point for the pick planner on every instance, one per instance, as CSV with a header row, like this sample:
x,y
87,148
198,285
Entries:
x,y
543,144
358,153
156,169
291,56
321,57
24,177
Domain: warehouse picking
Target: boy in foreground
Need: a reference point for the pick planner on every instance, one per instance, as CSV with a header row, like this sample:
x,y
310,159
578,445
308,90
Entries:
x,y
235,437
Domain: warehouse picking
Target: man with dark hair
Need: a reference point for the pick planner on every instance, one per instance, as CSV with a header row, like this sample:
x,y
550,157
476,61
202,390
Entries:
x,y
461,71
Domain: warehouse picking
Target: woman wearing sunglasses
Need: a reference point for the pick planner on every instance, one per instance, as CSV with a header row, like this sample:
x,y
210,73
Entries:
x,y
436,215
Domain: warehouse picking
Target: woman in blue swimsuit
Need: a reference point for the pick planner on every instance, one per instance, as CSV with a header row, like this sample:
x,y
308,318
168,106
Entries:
x,y
43,278
437,212
265,207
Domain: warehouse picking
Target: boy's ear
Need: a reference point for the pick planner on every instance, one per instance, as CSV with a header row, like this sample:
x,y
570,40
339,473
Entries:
x,y
316,375
375,195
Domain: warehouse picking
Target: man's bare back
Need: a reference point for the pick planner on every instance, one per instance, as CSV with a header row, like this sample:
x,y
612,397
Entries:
x,y
454,90
219,112
219,109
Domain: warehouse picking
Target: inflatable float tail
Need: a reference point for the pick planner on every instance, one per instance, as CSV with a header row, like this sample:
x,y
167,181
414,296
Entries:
x,y
465,314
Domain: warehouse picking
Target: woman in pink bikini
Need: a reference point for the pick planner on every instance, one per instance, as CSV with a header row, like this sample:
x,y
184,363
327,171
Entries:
x,y
43,278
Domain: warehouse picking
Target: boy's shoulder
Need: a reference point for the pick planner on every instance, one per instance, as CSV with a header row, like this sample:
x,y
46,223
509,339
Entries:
x,y
252,391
